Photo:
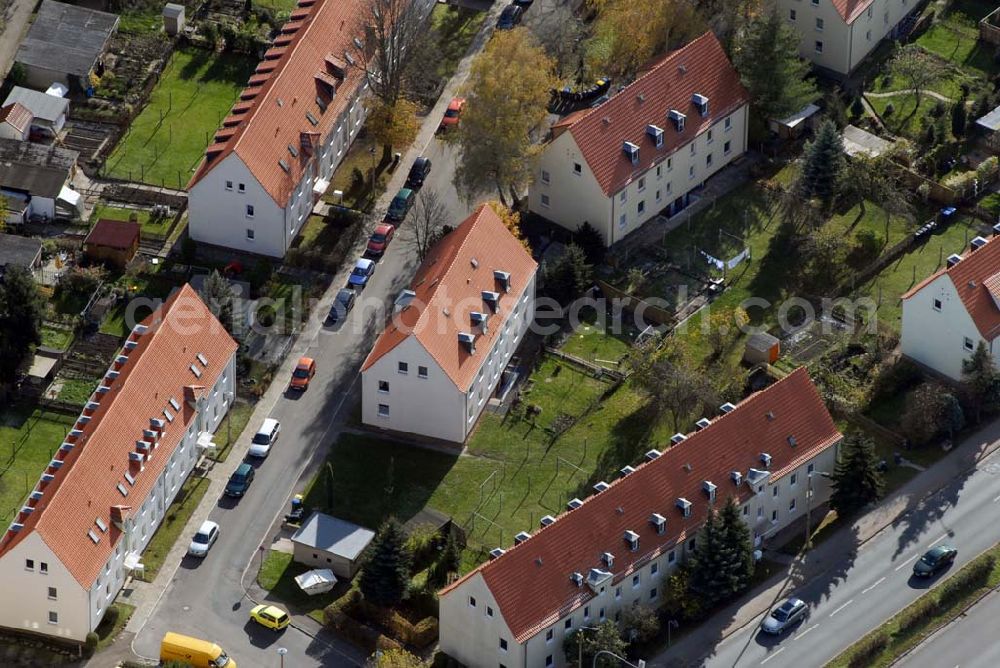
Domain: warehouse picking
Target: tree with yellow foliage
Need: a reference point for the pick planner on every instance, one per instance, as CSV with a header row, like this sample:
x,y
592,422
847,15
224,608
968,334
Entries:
x,y
507,94
397,658
393,125
511,220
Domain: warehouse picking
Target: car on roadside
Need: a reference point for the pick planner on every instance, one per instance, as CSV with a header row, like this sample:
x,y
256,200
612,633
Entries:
x,y
204,539
510,17
784,617
363,270
453,114
265,437
270,617
523,3
419,171
304,372
400,205
934,561
378,242
342,305
239,481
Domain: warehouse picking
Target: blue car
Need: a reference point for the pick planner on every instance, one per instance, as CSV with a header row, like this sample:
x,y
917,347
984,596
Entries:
x,y
363,269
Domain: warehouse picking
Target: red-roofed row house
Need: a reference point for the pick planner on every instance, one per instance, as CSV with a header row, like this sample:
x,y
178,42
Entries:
x,y
838,34
619,546
643,152
87,520
277,149
444,352
950,312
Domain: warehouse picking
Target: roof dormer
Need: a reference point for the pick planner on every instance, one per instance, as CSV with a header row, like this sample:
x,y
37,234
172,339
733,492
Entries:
x,y
631,151
701,102
467,341
677,118
502,279
656,133
685,506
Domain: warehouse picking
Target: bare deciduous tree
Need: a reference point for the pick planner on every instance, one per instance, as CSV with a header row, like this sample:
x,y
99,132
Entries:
x,y
425,223
385,33
918,68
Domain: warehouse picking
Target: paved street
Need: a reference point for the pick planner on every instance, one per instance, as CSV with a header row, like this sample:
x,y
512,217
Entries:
x,y
861,586
968,642
207,598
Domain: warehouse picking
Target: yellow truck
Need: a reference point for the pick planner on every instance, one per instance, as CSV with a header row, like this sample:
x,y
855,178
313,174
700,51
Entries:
x,y
198,653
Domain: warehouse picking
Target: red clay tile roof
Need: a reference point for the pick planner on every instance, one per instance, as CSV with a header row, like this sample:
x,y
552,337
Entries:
x,y
271,120
17,115
699,67
851,9
970,277
84,488
531,582
113,234
449,286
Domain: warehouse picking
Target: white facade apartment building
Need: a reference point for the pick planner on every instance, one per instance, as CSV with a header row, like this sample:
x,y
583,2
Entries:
x,y
618,547
277,149
838,34
99,501
443,354
645,150
949,313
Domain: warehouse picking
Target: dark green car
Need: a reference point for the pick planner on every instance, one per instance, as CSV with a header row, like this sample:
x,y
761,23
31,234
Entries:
x,y
240,481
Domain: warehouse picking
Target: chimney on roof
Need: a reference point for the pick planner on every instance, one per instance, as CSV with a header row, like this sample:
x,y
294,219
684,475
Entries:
x,y
682,68
118,516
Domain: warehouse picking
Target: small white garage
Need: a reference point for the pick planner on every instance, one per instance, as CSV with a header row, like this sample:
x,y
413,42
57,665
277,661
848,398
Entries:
x,y
329,542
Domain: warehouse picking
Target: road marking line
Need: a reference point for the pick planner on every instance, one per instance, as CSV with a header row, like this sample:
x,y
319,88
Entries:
x,y
900,567
772,656
995,499
937,540
805,632
841,607
877,583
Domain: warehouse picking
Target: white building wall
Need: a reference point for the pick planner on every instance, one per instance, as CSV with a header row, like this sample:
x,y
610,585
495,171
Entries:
x,y
42,206
569,198
938,331
8,131
471,627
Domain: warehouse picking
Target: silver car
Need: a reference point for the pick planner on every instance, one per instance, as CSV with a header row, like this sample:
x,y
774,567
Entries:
x,y
785,616
204,539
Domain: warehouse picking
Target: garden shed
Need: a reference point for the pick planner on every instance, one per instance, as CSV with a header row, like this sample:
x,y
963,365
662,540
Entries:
x,y
114,242
329,542
173,18
990,125
762,348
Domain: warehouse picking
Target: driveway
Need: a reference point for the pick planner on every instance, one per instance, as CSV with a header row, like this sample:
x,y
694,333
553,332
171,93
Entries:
x,y
206,597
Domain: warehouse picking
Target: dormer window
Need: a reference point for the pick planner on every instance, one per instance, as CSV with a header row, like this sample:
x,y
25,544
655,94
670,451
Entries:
x,y
702,423
709,488
678,119
521,537
626,470
601,486
701,102
736,477
503,279
659,523
685,506
632,539
656,133
678,438
577,579
491,299
608,559
632,151
467,341
765,460
479,320
652,454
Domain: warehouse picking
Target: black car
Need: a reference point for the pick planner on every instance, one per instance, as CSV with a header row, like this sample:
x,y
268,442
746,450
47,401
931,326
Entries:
x,y
510,17
418,172
341,305
524,3
934,560
240,481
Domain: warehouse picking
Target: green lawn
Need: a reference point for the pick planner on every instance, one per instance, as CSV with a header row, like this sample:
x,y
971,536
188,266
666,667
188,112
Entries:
x,y
28,439
279,8
906,118
143,216
991,203
589,342
56,337
132,21
195,92
277,575
113,623
239,415
178,514
955,35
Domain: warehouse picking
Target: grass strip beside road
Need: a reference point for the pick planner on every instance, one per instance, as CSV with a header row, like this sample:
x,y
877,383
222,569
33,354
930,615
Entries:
x,y
908,628
229,432
176,519
112,625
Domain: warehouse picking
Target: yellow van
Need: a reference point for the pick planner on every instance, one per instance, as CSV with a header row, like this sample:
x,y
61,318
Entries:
x,y
198,653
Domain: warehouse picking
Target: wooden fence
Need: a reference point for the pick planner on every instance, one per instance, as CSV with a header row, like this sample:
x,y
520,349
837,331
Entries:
x,y
989,28
648,311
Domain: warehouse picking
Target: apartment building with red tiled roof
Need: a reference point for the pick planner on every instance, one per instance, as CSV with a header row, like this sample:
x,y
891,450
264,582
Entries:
x,y
838,34
445,348
618,547
645,151
276,151
86,521
950,312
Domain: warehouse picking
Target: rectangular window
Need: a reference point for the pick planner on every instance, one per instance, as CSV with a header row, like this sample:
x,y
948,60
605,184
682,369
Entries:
x,y
791,15
242,187
693,148
600,614
618,592
489,611
652,594
635,581
586,613
708,160
659,171
503,644
937,304
746,510
43,567
249,210
819,25
545,200
229,185
810,468
421,372
577,168
403,368
774,515
549,635
691,172
760,512
658,196
670,164
654,569
791,505
691,544
472,601
642,184
568,624
383,410
545,176
708,137
383,386
29,564
53,617
728,123
250,234
819,46
623,196
641,207
548,660
968,344
774,490
622,221
53,595
727,148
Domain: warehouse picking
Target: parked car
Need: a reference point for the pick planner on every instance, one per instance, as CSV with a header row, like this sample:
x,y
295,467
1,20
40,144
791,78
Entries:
x,y
934,561
785,616
453,114
239,481
363,270
341,305
304,371
270,617
524,3
378,242
418,172
510,17
204,539
400,205
265,437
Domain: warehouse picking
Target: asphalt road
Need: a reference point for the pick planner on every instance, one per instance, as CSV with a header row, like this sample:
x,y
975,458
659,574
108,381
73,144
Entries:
x,y
968,642
867,584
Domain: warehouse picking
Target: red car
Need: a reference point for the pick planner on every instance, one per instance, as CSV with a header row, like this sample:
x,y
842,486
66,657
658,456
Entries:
x,y
380,238
303,373
453,115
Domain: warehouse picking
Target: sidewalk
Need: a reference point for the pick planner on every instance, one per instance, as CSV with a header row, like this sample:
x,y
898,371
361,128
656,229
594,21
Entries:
x,y
702,640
